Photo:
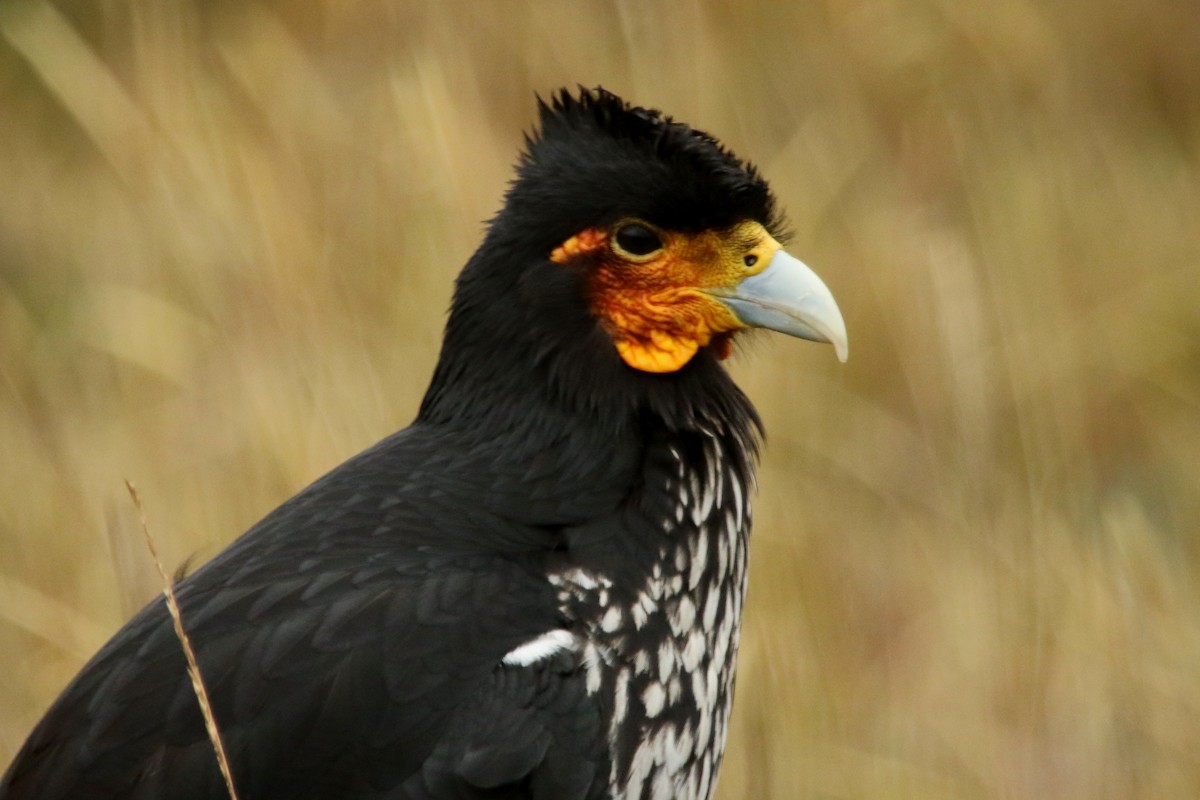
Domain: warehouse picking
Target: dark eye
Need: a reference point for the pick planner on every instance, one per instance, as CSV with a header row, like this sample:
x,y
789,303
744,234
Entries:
x,y
637,240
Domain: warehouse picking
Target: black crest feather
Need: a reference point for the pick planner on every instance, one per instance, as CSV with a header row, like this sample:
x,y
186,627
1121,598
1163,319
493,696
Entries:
x,y
595,158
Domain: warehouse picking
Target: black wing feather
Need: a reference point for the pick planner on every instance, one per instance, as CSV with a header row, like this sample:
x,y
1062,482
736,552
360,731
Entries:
x,y
369,670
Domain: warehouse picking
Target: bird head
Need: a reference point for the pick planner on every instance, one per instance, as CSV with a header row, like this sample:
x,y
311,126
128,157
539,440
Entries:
x,y
632,242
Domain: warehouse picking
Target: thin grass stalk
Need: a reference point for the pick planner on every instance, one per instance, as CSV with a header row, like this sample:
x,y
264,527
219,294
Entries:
x,y
210,721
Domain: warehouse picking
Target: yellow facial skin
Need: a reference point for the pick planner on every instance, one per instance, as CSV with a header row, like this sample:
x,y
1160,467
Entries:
x,y
656,307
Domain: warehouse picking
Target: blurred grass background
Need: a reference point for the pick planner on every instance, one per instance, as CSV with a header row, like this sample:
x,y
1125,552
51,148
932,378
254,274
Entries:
x,y
228,232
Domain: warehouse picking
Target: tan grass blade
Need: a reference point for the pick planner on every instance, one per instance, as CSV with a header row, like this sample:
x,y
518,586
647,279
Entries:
x,y
80,79
39,613
210,721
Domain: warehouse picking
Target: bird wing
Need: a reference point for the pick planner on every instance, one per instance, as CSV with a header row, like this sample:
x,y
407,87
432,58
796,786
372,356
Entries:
x,y
370,669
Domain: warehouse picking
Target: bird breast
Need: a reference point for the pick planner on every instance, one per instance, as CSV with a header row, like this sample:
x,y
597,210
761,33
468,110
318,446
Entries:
x,y
661,653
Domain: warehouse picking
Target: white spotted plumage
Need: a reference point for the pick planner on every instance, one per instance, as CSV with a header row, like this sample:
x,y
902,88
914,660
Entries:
x,y
681,686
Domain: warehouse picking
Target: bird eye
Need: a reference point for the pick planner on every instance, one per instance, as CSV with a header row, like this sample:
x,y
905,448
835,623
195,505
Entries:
x,y
637,240
750,260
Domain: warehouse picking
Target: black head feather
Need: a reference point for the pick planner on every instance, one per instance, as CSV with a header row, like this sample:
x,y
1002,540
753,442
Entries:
x,y
520,325
596,159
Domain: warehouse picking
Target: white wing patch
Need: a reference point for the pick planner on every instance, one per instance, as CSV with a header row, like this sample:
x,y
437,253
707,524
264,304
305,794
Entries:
x,y
540,648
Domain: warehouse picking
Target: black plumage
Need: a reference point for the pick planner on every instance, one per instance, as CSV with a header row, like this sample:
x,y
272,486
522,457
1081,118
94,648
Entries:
x,y
531,592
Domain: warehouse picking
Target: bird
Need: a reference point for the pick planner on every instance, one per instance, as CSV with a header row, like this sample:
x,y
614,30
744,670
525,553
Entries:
x,y
535,589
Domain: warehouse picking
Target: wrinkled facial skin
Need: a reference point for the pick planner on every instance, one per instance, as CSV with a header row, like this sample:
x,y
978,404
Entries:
x,y
657,305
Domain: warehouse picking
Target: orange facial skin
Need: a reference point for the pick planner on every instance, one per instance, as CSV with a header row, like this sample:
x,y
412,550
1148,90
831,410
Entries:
x,y
660,308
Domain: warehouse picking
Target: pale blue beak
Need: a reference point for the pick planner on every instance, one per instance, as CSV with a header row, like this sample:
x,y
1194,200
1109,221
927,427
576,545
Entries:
x,y
788,297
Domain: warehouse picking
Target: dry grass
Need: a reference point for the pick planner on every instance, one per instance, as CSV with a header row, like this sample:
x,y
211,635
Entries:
x,y
185,643
228,233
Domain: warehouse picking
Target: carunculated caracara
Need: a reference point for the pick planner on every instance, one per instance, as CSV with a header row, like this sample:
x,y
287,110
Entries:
x,y
534,590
